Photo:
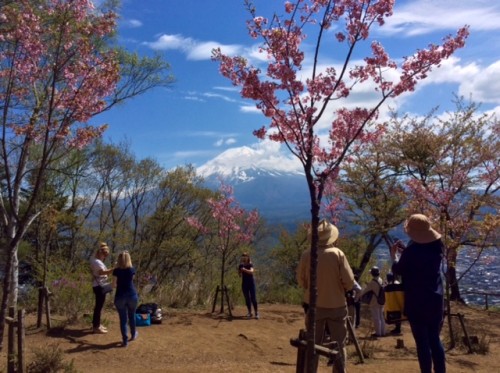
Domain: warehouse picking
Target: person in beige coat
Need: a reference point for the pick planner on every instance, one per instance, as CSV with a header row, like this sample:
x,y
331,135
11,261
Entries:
x,y
334,279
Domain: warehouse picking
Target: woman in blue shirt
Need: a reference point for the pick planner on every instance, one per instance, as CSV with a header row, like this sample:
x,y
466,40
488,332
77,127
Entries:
x,y
126,297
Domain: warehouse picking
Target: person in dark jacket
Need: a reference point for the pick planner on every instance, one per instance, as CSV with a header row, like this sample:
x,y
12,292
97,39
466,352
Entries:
x,y
420,269
246,272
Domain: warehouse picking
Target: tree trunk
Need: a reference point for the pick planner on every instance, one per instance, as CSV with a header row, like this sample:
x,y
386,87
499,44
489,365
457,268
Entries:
x,y
223,269
311,357
373,242
451,275
8,285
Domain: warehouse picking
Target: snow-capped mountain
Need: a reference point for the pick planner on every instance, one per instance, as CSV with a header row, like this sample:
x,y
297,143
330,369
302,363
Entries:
x,y
245,163
265,180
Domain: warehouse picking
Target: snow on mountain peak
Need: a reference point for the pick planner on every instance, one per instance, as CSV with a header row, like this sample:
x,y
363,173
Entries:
x,y
244,163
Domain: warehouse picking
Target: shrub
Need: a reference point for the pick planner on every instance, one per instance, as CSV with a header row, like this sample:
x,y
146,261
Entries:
x,y
71,290
49,359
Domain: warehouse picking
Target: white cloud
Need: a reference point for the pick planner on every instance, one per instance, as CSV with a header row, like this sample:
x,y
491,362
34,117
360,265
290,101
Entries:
x,y
194,98
131,23
217,95
228,89
250,109
225,141
418,17
171,42
484,85
193,49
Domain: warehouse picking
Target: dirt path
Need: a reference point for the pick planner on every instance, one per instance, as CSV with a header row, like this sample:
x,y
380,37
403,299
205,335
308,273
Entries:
x,y
196,341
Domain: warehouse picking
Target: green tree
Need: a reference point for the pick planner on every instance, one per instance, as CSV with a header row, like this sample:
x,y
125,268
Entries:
x,y
57,70
374,199
167,248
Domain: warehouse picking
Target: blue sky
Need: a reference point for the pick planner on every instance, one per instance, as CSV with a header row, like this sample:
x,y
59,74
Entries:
x,y
202,117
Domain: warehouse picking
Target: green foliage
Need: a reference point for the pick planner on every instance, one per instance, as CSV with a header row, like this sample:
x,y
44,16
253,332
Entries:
x,y
50,359
71,289
278,282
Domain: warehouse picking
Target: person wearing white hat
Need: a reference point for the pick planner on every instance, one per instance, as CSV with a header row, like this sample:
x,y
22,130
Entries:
x,y
334,279
420,269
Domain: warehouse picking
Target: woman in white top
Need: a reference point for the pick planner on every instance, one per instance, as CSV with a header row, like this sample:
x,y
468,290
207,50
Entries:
x,y
99,277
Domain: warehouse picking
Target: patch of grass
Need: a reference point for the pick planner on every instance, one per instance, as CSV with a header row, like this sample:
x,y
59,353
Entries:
x,y
50,359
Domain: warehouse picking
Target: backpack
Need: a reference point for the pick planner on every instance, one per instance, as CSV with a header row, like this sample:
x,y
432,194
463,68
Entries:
x,y
151,309
367,297
381,296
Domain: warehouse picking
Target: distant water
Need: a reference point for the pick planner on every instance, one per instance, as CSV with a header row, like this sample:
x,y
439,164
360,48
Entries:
x,y
483,277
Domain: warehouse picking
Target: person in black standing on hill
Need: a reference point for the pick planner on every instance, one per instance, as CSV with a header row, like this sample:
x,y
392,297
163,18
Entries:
x,y
420,270
246,272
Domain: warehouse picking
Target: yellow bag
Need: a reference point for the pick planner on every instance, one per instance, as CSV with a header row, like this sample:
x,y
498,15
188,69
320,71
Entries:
x,y
394,304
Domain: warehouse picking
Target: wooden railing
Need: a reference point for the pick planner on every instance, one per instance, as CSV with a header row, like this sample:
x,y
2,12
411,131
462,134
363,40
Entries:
x,y
16,329
486,294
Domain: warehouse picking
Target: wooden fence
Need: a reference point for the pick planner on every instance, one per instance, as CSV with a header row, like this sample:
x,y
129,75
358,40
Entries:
x,y
16,329
485,294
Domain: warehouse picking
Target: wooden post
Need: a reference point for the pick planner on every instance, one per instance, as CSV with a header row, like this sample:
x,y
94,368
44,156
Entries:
x,y
355,340
300,366
301,344
227,300
467,340
11,353
21,360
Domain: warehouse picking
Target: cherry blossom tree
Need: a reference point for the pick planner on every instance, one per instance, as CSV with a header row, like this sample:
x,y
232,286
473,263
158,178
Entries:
x,y
298,107
232,228
57,70
450,164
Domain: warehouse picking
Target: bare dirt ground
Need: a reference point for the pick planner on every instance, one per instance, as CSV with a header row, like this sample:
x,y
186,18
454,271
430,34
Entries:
x,y
198,341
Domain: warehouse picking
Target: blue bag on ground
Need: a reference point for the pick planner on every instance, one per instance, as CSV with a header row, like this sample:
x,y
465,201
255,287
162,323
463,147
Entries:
x,y
153,309
142,319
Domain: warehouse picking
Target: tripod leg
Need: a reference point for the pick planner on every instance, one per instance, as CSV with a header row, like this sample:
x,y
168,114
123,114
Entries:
x,y
215,298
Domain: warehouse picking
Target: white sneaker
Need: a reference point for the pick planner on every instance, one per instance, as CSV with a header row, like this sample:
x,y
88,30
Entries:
x,y
99,330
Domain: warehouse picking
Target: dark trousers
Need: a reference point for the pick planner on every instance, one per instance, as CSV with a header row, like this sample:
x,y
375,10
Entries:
x,y
99,304
430,350
357,307
250,296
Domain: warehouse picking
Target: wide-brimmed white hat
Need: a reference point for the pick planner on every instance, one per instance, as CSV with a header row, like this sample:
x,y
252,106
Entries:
x,y
418,227
327,233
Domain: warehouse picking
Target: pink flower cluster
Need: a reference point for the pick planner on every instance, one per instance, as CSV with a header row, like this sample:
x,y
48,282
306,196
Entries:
x,y
295,105
234,225
56,69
